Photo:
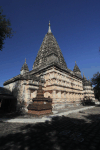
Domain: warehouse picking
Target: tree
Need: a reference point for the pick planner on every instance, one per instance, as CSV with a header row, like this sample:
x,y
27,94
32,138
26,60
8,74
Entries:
x,y
5,29
96,82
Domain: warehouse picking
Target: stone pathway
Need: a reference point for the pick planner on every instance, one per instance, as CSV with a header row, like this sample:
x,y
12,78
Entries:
x,y
76,131
26,118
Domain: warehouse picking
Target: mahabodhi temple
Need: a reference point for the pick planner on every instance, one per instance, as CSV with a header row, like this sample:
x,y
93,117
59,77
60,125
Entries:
x,y
59,83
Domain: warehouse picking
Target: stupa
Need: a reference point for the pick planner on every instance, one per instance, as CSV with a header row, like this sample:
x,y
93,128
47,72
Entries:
x,y
40,104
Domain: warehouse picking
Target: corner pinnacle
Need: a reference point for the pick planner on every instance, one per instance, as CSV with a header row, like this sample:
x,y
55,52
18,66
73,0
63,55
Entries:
x,y
25,60
49,30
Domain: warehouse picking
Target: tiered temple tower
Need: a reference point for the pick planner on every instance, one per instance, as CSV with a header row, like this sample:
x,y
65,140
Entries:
x,y
49,53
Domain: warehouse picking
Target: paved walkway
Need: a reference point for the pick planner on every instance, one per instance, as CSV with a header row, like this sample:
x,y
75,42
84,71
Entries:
x,y
63,112
74,131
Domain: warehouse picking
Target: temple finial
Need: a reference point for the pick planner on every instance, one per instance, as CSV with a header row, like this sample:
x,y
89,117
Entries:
x,y
75,62
49,30
25,60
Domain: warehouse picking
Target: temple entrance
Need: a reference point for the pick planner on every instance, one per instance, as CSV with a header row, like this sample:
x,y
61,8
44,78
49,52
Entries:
x,y
8,105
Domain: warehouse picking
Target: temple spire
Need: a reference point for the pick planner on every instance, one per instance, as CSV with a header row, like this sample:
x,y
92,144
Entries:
x,y
49,53
89,80
49,30
83,75
76,68
24,68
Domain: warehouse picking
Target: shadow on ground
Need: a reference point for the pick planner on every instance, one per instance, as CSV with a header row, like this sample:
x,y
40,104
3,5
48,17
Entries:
x,y
87,102
62,133
97,105
14,114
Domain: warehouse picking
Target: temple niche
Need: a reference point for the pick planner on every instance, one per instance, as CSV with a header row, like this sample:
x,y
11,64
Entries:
x,y
63,85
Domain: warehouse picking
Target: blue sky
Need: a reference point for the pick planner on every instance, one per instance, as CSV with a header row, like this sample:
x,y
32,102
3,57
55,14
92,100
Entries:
x,y
74,23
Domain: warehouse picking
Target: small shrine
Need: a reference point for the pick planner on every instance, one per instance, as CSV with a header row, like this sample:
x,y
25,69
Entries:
x,y
40,104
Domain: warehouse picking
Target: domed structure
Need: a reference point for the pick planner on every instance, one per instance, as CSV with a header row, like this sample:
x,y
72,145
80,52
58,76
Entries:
x,y
5,91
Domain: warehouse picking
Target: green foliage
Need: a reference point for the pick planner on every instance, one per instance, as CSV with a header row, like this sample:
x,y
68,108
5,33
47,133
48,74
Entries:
x,y
96,79
5,29
96,82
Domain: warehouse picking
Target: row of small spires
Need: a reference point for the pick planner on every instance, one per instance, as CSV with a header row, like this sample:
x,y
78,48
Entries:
x,y
25,67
